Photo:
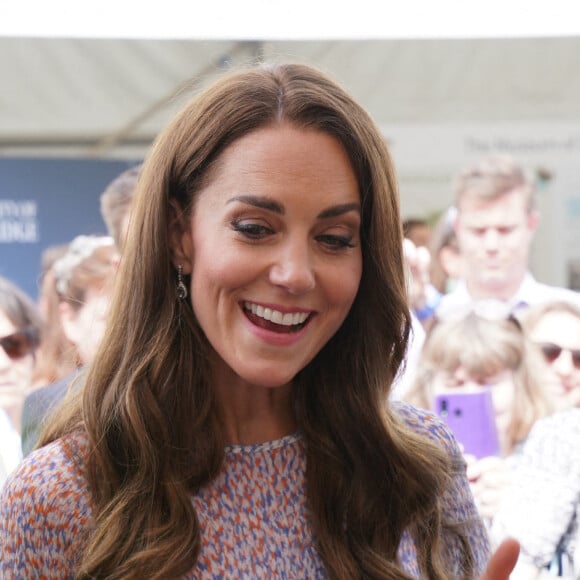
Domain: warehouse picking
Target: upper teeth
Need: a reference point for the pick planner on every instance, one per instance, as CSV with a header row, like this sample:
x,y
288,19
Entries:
x,y
287,319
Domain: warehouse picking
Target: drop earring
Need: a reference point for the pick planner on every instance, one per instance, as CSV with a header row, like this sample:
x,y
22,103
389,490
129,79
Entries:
x,y
181,288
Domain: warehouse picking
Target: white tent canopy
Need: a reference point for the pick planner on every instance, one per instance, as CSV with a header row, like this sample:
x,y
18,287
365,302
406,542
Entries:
x,y
110,97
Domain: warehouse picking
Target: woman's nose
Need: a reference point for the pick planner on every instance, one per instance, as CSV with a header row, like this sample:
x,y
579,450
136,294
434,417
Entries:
x,y
293,269
564,365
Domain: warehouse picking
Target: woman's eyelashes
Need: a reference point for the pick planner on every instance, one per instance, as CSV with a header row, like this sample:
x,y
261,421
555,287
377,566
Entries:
x,y
336,242
251,229
256,231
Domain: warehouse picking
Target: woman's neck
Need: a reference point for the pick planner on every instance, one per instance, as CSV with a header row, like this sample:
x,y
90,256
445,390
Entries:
x,y
254,414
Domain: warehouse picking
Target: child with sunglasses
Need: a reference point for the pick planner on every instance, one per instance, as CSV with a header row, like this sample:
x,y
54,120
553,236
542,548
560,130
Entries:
x,y
20,326
553,329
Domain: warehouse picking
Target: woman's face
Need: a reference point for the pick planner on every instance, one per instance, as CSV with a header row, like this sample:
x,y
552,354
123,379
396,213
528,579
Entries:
x,y
557,338
85,327
502,392
16,371
274,250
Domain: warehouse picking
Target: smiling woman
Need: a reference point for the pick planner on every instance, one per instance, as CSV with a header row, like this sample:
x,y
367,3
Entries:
x,y
235,421
277,252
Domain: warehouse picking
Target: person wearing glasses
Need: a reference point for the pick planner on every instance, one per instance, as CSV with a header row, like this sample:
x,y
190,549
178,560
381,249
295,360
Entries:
x,y
20,331
553,329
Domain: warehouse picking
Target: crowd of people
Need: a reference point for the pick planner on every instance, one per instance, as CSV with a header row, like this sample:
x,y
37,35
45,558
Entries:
x,y
495,328
262,371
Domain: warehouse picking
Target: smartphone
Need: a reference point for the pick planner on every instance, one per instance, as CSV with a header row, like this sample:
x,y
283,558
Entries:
x,y
471,417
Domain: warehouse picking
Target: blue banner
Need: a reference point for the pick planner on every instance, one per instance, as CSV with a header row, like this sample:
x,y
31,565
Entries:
x,y
44,202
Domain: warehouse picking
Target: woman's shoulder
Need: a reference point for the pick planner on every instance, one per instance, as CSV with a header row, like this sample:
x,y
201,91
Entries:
x,y
427,424
48,477
45,512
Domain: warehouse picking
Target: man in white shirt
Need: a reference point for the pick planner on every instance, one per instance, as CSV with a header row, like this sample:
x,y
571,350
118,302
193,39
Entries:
x,y
495,225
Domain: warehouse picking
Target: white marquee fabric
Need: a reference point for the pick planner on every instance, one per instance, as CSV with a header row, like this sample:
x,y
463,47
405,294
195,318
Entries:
x,y
109,97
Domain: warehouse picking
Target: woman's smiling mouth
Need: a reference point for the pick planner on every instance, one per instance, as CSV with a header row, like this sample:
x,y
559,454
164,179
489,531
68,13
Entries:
x,y
275,320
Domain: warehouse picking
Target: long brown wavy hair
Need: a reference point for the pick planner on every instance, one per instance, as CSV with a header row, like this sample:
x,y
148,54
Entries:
x,y
148,407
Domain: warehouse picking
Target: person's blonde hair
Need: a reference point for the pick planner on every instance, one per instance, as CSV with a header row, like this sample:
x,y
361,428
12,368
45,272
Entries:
x,y
535,313
493,177
54,355
149,408
89,262
116,202
66,278
443,236
482,348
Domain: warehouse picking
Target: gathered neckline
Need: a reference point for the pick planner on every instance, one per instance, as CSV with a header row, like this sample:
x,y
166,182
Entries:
x,y
253,448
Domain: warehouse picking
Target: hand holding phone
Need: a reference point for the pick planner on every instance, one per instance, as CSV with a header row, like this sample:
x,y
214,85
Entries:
x,y
471,417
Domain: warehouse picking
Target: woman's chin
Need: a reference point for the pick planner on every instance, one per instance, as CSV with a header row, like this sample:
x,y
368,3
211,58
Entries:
x,y
268,378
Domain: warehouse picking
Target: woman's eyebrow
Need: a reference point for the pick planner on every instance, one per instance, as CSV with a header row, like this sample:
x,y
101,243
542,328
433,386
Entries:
x,y
261,202
339,210
271,205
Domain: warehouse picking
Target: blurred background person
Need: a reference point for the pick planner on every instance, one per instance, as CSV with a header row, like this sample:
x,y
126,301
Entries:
x,y
418,231
445,267
434,267
46,277
20,332
495,226
84,277
553,329
433,270
53,358
83,282
473,353
541,508
423,297
116,201
115,205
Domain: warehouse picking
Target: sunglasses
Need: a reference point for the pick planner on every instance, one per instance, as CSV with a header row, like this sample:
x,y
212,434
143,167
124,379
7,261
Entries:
x,y
552,352
19,344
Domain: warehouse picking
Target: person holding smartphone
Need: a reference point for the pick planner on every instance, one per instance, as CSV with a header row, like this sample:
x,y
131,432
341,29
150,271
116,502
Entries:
x,y
474,372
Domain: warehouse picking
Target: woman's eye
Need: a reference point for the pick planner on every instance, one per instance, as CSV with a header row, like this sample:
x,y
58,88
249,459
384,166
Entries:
x,y
251,230
335,242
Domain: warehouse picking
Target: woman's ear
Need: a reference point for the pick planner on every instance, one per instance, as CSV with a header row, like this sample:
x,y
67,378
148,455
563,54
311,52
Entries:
x,y
180,238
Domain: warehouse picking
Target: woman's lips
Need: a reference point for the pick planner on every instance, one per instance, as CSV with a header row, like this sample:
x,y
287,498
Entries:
x,y
275,320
